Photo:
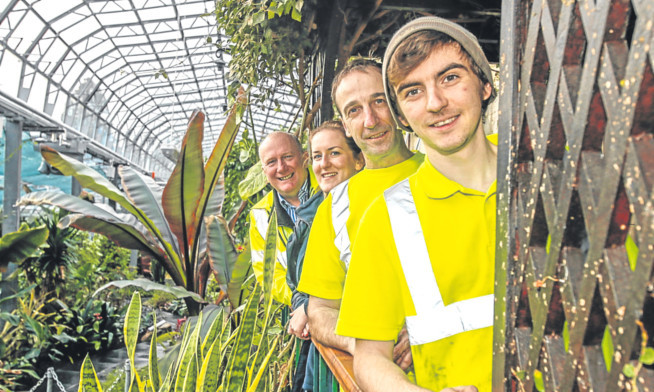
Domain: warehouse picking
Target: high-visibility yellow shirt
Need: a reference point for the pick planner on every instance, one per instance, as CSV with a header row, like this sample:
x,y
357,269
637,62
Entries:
x,y
458,225
259,218
323,274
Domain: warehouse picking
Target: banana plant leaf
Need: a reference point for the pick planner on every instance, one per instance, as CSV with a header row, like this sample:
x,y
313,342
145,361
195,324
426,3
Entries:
x,y
148,285
213,170
215,204
221,253
253,183
139,190
122,234
93,180
182,194
67,202
19,245
218,158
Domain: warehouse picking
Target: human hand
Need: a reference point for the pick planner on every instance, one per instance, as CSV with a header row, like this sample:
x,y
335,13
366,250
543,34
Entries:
x,y
402,351
465,388
299,324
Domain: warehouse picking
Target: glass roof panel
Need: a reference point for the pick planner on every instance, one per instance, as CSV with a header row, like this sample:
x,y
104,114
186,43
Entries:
x,y
135,68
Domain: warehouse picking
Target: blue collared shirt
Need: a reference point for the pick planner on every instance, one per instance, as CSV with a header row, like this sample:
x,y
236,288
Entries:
x,y
303,196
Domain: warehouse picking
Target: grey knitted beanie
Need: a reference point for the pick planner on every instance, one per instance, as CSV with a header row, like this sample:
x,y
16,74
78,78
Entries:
x,y
459,34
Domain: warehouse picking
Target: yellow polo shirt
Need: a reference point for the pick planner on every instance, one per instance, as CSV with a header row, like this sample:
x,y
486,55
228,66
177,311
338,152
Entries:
x,y
323,273
459,227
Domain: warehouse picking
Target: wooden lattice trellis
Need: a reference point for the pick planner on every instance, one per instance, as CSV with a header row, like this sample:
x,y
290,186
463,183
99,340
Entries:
x,y
575,200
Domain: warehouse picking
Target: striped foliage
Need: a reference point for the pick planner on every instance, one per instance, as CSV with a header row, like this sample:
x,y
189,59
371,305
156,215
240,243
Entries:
x,y
88,379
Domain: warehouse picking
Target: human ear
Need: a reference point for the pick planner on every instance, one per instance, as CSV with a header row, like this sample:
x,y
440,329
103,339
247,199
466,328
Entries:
x,y
486,91
359,162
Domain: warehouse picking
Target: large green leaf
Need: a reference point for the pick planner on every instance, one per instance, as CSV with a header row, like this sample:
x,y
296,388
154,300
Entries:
x,y
131,335
69,203
237,365
182,194
215,202
220,250
19,245
215,165
93,180
216,162
123,234
148,285
139,189
88,379
253,183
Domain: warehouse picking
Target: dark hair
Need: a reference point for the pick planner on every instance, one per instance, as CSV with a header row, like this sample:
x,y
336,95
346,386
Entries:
x,y
411,52
337,126
360,64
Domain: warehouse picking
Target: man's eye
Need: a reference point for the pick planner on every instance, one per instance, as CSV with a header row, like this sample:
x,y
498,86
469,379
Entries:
x,y
412,92
380,101
270,163
352,111
450,78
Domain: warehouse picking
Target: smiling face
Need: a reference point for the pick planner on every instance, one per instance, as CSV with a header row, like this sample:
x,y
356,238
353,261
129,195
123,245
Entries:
x,y
284,165
441,100
360,100
332,159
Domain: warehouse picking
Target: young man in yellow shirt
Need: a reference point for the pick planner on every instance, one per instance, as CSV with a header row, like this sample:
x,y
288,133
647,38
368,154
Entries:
x,y
424,254
358,94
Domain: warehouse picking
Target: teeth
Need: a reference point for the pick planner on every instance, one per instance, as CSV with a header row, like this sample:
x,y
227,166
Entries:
x,y
445,122
377,135
329,175
286,178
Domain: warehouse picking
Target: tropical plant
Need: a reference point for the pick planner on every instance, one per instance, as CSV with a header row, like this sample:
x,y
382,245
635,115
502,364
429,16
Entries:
x,y
48,269
19,245
245,350
183,230
25,339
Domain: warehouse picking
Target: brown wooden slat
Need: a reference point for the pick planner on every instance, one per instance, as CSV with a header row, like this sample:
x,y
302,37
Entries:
x,y
341,365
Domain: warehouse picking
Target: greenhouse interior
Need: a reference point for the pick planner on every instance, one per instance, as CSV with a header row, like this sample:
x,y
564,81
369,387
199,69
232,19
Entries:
x,y
150,242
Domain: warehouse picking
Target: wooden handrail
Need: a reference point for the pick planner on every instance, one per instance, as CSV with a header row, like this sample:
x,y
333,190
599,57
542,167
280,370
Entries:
x,y
341,365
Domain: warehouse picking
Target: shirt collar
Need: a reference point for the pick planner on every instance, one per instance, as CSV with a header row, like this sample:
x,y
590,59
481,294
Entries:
x,y
437,186
303,196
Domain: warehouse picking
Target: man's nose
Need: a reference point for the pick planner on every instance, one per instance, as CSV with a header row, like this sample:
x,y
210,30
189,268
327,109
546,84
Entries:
x,y
371,119
436,100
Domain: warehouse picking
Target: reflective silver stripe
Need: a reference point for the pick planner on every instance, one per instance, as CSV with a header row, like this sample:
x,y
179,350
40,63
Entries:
x,y
261,222
257,255
433,320
340,215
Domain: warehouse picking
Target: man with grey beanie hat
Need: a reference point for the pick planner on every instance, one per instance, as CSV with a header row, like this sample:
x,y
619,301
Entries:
x,y
425,249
